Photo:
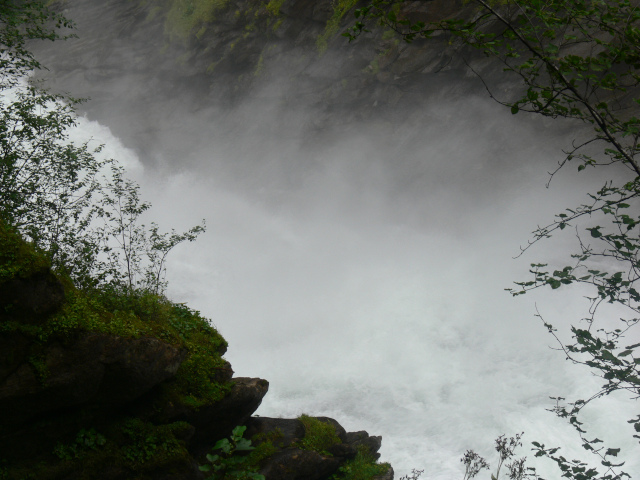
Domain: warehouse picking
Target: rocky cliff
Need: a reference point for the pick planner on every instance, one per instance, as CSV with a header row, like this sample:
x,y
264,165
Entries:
x,y
148,65
104,386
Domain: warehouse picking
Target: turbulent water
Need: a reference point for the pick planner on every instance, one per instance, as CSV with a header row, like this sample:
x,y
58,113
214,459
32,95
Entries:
x,y
362,270
365,279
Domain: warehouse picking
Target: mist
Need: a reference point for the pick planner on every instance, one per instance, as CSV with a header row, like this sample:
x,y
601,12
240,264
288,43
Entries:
x,y
359,263
364,278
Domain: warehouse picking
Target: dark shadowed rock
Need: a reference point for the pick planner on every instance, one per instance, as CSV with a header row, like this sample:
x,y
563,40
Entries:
x,y
98,368
296,464
357,439
388,475
292,462
343,450
14,349
216,422
31,299
291,429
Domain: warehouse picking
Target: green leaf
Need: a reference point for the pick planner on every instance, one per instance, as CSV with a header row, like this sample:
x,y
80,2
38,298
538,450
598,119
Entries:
x,y
514,109
238,431
595,232
633,379
244,444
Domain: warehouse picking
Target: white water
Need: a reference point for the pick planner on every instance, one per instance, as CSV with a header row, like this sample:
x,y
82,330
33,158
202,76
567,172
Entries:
x,y
369,287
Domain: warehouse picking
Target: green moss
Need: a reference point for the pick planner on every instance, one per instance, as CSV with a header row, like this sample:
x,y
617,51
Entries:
x,y
145,446
18,258
362,467
277,24
273,7
340,9
133,316
266,445
185,17
318,436
259,66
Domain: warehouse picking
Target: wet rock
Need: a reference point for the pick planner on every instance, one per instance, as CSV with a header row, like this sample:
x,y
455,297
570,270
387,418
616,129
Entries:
x,y
388,475
296,464
362,438
97,368
216,422
31,299
290,430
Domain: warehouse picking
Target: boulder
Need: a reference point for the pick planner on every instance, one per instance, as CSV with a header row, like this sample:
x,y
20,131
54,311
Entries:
x,y
97,368
32,298
216,422
292,462
296,464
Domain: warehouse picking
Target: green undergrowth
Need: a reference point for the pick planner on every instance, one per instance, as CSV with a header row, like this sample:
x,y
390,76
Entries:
x,y
134,446
136,315
319,436
130,448
362,467
237,457
17,257
124,314
266,444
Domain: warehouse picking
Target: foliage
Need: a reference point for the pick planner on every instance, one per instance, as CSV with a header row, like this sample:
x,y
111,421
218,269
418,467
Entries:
x,y
273,7
136,256
17,258
144,442
81,214
200,378
505,447
362,467
22,22
227,463
576,60
45,181
85,441
319,436
414,475
62,207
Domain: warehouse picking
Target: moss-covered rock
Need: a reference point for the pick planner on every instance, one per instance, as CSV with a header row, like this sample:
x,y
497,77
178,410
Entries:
x,y
110,385
28,289
314,448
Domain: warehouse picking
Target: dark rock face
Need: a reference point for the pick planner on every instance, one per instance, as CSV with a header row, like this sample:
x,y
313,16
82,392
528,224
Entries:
x,y
97,368
373,444
143,81
293,463
31,299
296,464
235,409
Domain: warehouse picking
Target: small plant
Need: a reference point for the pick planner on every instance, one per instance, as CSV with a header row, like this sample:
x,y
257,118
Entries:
x,y
414,475
362,467
319,436
505,447
473,463
226,464
85,441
